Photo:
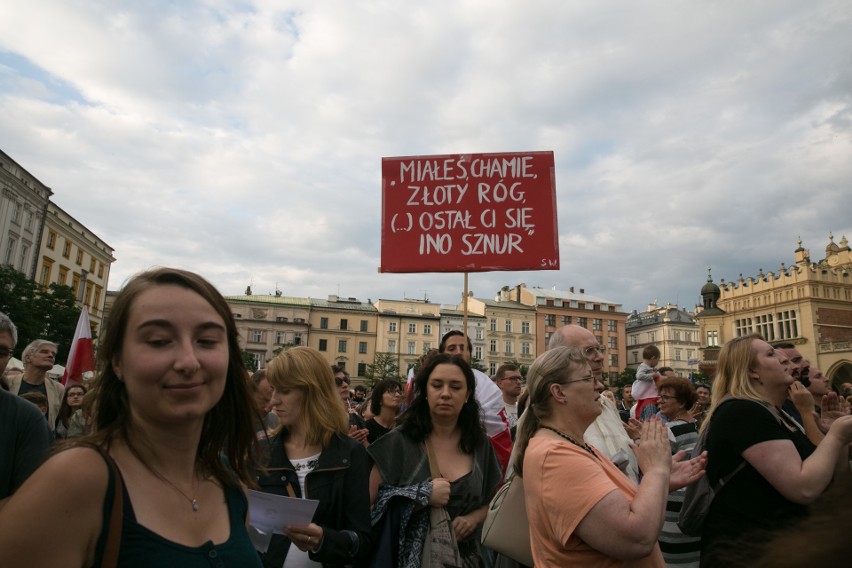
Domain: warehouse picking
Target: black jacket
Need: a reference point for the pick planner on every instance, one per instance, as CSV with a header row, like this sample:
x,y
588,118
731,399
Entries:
x,y
340,483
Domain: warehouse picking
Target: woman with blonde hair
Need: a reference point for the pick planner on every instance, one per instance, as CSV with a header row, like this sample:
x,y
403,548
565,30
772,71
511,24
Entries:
x,y
582,510
313,457
781,470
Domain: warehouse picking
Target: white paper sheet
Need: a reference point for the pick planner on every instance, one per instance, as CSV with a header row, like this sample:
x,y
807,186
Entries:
x,y
270,513
274,512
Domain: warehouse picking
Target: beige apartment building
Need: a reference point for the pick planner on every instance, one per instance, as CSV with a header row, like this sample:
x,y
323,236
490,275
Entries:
x,y
72,255
268,323
555,308
407,329
808,303
672,329
509,331
23,202
47,244
344,330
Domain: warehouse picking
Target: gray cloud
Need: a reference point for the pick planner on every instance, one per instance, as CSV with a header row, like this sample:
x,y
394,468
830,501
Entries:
x,y
244,139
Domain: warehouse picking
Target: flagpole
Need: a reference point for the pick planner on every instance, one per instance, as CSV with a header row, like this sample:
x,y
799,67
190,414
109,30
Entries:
x,y
464,317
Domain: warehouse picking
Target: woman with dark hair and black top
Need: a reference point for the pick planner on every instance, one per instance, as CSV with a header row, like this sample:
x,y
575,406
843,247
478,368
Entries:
x,y
170,449
384,404
444,415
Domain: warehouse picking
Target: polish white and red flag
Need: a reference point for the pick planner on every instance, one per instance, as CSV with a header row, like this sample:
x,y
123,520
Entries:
x,y
81,356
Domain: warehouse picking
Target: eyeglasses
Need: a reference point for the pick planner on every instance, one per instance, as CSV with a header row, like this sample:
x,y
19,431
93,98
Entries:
x,y
590,378
4,352
666,397
339,382
592,349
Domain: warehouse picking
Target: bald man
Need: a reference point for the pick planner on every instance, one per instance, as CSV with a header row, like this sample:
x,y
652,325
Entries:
x,y
607,431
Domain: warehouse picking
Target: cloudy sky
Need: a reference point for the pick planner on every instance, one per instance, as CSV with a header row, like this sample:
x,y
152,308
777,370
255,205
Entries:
x,y
243,139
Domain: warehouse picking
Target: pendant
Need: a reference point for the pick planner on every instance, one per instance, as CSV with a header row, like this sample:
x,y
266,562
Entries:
x,y
194,506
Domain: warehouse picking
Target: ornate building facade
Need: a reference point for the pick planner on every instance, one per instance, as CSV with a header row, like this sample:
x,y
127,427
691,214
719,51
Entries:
x,y
672,329
344,330
72,255
23,203
808,303
509,331
407,329
555,308
269,322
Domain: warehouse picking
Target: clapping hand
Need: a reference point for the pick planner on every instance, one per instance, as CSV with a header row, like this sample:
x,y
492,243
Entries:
x,y
832,407
686,471
654,450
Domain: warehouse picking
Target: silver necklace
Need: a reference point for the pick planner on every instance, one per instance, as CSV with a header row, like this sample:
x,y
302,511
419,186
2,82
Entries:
x,y
193,501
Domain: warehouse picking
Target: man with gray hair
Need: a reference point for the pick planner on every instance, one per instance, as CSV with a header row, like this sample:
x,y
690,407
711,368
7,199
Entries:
x,y
607,432
39,357
24,437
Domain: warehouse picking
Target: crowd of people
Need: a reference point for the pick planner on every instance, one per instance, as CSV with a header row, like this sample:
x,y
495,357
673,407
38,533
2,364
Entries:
x,y
150,462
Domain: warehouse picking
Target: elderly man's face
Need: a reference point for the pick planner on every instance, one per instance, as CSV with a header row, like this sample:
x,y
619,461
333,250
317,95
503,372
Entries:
x,y
42,358
580,338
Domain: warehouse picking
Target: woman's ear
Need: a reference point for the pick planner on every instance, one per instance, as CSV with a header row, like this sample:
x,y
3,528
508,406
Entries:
x,y
556,393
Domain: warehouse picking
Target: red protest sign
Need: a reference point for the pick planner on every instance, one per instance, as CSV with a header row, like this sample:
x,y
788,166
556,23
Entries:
x,y
469,213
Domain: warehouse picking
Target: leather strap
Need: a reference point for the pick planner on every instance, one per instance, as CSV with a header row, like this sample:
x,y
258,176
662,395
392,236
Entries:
x,y
116,517
434,470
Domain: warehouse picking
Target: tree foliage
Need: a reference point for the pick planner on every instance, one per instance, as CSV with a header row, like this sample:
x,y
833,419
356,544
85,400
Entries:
x,y
384,366
477,364
39,313
248,361
626,377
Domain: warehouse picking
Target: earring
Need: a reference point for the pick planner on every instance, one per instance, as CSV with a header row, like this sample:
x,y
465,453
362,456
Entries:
x,y
119,377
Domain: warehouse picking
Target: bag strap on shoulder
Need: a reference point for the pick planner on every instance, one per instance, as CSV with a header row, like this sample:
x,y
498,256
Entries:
x,y
116,517
434,470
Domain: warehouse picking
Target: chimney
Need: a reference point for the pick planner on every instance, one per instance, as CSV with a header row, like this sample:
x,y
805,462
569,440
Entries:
x,y
582,290
571,289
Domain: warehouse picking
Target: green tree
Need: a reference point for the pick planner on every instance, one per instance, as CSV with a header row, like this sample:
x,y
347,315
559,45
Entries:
x,y
625,377
384,366
477,364
284,347
248,361
700,377
39,313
